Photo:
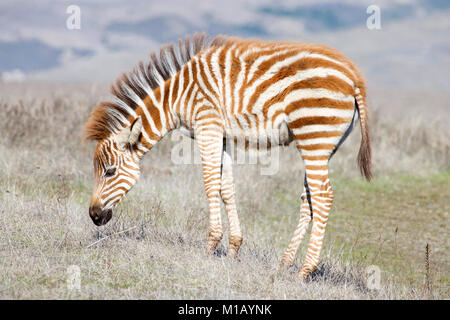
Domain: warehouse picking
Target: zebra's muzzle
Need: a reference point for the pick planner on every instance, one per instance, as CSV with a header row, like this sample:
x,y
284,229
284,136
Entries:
x,y
100,217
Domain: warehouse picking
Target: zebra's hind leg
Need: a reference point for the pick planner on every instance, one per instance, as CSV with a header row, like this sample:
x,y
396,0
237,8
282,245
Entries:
x,y
305,218
228,196
321,199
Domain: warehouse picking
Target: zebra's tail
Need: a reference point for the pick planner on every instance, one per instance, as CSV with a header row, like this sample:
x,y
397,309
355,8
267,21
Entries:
x,y
365,153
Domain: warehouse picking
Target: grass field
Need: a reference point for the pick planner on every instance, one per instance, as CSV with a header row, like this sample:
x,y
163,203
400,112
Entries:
x,y
46,180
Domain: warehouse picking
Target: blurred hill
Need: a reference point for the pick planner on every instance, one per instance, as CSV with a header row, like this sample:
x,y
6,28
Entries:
x,y
411,51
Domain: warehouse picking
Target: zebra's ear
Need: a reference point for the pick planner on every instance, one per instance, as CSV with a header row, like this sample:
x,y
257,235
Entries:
x,y
130,134
135,131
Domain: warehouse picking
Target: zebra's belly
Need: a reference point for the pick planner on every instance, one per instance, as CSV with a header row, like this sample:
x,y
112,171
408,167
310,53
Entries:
x,y
252,133
255,137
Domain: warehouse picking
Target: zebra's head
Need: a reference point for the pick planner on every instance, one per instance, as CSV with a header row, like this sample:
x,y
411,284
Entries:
x,y
116,169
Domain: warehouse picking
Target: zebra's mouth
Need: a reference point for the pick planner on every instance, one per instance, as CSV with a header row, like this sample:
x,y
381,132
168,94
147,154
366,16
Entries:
x,y
102,218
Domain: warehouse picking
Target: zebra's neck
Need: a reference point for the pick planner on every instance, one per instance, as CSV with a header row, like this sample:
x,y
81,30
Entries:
x,y
158,112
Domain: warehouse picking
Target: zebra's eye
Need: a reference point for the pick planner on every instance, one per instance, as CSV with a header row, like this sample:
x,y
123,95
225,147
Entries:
x,y
110,172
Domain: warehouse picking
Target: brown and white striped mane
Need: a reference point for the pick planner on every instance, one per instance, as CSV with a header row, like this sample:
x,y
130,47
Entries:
x,y
109,117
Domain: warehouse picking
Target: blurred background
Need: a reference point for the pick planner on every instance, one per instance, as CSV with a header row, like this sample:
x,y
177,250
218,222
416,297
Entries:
x,y
52,76
411,50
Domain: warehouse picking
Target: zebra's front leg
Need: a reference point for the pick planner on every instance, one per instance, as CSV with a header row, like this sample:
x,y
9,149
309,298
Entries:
x,y
305,218
210,145
228,196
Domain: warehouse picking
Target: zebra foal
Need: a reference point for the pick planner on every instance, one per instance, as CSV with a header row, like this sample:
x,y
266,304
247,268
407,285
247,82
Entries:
x,y
232,89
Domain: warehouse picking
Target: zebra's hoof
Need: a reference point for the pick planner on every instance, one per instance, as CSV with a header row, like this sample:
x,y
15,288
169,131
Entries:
x,y
232,253
212,246
305,274
285,263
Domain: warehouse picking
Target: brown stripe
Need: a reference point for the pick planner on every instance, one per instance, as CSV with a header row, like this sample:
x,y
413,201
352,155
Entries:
x,y
178,106
146,122
330,83
175,89
320,146
145,143
266,65
106,195
313,158
235,69
306,121
247,120
318,134
157,94
274,116
110,187
319,103
314,167
208,59
222,62
188,117
206,82
311,62
242,90
165,103
317,176
209,116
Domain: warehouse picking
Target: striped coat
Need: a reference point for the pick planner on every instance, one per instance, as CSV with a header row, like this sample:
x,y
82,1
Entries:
x,y
262,93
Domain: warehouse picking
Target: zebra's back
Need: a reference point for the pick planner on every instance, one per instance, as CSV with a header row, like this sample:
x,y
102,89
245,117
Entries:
x,y
282,91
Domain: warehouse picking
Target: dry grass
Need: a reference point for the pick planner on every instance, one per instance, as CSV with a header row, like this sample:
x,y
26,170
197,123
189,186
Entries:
x,y
46,180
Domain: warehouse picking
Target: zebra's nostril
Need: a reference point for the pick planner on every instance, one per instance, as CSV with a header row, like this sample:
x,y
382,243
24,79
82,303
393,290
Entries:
x,y
93,211
99,216
96,215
